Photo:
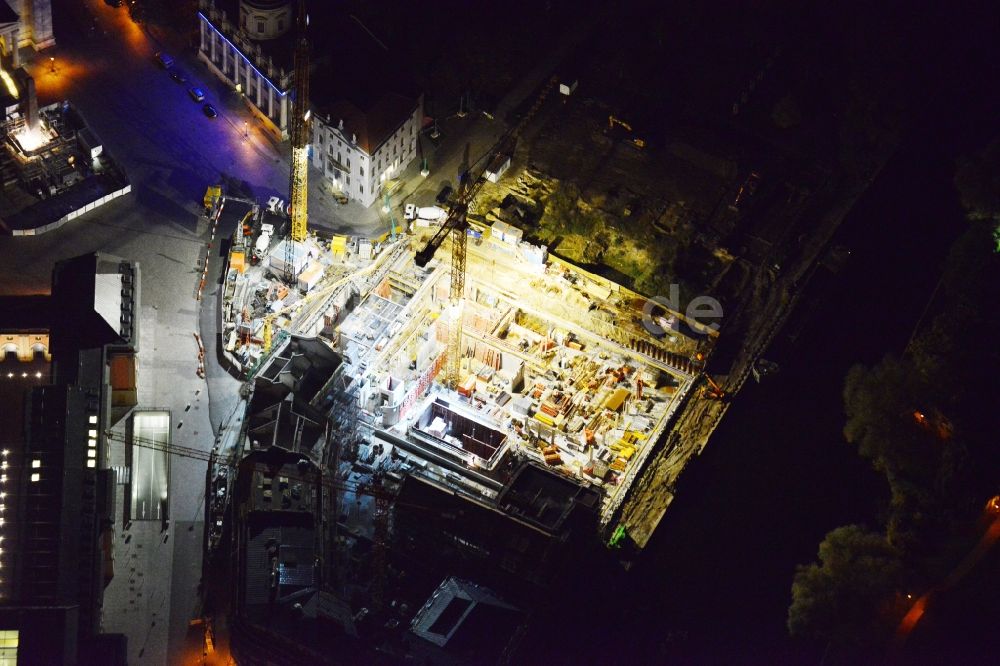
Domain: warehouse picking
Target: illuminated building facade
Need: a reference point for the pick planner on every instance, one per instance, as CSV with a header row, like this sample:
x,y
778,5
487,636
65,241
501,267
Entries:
x,y
364,124
359,150
57,494
235,56
25,23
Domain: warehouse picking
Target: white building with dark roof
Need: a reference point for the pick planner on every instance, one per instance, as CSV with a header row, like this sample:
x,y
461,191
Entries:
x,y
359,150
364,123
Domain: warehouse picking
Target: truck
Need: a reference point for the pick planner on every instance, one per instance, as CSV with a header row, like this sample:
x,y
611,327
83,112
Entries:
x,y
212,196
431,214
263,242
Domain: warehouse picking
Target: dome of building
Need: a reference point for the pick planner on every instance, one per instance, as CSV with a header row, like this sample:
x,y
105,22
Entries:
x,y
266,19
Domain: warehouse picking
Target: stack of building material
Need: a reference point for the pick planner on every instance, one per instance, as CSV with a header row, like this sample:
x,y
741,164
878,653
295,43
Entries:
x,y
551,455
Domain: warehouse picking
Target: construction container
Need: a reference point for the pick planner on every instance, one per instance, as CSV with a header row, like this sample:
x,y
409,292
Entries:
x,y
237,260
600,469
365,249
534,254
513,235
499,230
278,262
310,276
338,245
615,400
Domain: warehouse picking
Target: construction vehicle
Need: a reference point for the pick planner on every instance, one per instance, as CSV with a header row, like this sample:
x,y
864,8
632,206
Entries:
x,y
457,227
263,242
712,390
213,195
618,122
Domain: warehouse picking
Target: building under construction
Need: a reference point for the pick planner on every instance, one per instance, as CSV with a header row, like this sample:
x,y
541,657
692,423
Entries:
x,y
561,396
472,404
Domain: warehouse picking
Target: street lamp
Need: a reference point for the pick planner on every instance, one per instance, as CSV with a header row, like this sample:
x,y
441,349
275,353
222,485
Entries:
x,y
246,130
52,64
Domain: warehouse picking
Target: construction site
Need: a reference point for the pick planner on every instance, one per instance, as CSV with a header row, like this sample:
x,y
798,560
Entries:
x,y
384,374
447,362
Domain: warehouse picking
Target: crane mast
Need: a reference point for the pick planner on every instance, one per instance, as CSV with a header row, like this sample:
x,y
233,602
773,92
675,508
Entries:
x,y
456,225
298,186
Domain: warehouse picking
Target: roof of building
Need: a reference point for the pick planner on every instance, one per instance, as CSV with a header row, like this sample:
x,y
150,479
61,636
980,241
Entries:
x,y
373,124
7,14
461,615
277,483
431,516
87,302
544,498
25,313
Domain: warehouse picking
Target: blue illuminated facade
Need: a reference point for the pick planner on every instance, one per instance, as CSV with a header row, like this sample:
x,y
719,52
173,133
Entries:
x,y
241,63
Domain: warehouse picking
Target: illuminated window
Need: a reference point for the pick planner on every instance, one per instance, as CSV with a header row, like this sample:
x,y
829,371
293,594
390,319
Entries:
x,y
91,453
93,418
91,433
36,477
90,463
8,647
91,443
36,463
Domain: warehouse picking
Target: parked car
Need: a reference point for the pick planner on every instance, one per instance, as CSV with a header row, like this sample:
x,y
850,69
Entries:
x,y
164,59
443,195
197,94
178,76
209,111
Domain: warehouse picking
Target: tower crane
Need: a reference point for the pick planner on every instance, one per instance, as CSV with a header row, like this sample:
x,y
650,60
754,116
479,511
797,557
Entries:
x,y
299,178
456,226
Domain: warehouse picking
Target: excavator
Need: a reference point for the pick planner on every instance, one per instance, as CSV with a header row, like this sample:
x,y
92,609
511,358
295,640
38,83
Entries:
x,y
712,390
618,122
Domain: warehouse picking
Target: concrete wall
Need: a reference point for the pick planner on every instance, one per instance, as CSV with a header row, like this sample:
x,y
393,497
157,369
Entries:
x,y
37,231
36,23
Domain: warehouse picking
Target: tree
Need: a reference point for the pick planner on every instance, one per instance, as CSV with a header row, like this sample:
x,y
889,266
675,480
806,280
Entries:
x,y
848,598
882,403
977,179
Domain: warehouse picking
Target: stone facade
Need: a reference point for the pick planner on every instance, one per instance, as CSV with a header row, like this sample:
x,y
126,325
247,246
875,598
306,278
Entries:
x,y
241,63
36,23
358,166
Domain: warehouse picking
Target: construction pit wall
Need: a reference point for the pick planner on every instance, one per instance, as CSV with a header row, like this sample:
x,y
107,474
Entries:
x,y
258,289
531,387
